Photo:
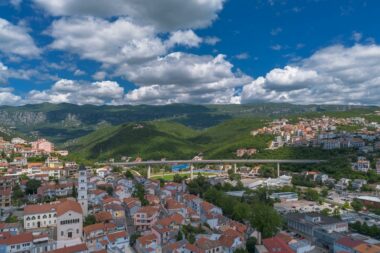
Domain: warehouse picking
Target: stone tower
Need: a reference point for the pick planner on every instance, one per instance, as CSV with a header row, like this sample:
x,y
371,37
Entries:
x,y
82,189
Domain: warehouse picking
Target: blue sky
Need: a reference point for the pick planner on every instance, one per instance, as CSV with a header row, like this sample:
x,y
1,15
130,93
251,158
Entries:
x,y
197,51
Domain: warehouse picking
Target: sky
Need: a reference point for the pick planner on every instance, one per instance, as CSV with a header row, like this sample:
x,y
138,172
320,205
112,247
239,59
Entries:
x,y
189,51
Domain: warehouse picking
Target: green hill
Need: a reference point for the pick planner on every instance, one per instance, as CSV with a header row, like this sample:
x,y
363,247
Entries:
x,y
168,139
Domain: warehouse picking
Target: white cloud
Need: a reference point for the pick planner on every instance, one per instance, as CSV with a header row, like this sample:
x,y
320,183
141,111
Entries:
x,y
186,38
14,40
106,41
242,56
276,31
357,36
336,75
211,40
69,91
99,75
79,72
166,15
184,78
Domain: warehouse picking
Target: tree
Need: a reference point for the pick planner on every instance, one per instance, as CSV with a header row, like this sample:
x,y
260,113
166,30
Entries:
x,y
265,219
250,244
89,220
128,174
357,205
324,192
311,195
133,238
32,186
177,178
179,236
74,192
325,212
346,206
11,219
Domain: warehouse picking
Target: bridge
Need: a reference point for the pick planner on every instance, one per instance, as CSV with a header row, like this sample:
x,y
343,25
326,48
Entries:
x,y
217,161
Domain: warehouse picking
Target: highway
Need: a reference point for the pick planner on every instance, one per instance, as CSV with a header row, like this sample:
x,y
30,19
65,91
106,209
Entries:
x,y
222,161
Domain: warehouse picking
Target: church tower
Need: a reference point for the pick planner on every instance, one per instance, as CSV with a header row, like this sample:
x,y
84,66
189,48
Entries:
x,y
82,189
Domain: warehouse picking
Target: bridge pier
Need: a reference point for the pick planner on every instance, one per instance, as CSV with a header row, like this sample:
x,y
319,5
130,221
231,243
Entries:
x,y
235,168
149,171
191,171
278,169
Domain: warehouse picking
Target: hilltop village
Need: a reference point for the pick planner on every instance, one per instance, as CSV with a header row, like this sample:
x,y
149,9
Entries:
x,y
52,204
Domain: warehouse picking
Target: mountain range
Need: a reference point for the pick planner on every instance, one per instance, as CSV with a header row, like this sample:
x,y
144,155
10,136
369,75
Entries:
x,y
152,132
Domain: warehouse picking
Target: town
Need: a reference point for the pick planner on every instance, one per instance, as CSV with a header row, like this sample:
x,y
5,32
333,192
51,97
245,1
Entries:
x,y
52,204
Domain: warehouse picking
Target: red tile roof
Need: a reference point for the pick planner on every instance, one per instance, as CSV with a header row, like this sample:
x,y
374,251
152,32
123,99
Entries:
x,y
349,242
71,249
276,244
68,205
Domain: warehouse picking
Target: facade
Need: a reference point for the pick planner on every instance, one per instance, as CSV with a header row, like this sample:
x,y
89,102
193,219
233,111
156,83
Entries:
x,y
40,216
145,218
82,190
43,145
285,196
5,198
69,221
306,224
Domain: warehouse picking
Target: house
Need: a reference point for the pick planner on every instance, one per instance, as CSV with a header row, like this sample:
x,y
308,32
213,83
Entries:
x,y
65,215
208,209
93,234
117,241
12,228
43,145
79,248
231,240
166,229
132,205
5,198
40,216
25,242
276,245
147,244
347,244
182,246
357,184
145,217
206,245
362,164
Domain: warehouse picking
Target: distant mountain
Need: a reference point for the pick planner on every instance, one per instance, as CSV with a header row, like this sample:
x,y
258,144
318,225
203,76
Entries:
x,y
70,125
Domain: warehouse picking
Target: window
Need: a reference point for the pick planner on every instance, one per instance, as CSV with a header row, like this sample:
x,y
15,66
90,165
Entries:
x,y
77,231
61,233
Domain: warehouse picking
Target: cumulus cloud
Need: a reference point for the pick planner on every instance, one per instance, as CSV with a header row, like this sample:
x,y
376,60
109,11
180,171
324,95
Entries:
x,y
336,74
14,40
106,41
184,78
186,38
69,91
165,15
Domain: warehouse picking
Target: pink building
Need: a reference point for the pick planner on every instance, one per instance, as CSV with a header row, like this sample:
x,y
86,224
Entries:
x,y
43,145
145,218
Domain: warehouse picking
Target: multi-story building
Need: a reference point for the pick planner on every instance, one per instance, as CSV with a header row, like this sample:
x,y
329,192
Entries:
x,y
306,224
378,166
43,145
26,242
145,218
5,198
362,164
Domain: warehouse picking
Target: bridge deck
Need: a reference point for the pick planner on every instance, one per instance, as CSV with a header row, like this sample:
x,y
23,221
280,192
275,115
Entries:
x,y
222,161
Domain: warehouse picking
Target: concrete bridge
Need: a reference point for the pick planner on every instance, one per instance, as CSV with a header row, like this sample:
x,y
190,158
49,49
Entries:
x,y
217,161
